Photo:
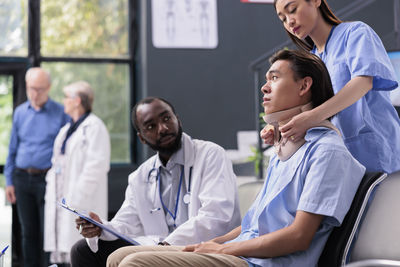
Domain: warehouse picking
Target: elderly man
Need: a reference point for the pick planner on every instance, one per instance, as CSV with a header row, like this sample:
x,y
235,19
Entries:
x,y
309,187
36,123
183,195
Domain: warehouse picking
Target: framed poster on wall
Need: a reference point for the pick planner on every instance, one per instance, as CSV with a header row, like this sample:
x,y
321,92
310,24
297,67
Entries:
x,y
184,24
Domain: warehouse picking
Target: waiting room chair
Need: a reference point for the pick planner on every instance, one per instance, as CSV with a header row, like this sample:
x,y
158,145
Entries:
x,y
337,248
247,194
379,234
374,263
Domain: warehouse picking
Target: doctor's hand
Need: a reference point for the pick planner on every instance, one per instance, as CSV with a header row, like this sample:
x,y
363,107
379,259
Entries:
x,y
296,128
205,247
10,194
87,229
267,134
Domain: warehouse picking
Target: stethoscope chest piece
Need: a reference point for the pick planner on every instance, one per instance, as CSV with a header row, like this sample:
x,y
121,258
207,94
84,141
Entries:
x,y
186,198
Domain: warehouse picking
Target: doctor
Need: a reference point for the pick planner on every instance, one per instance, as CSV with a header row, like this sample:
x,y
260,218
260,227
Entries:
x,y
80,163
184,194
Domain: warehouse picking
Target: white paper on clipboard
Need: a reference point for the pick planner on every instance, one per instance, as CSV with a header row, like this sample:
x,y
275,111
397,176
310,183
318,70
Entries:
x,y
102,226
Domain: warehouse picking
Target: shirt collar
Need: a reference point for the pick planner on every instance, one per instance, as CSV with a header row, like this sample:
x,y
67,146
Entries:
x,y
315,50
45,106
314,133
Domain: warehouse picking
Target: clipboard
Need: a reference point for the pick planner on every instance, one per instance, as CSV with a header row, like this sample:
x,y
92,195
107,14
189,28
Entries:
x,y
102,226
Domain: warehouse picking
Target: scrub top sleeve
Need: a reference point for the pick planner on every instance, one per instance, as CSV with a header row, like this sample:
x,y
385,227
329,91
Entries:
x,y
330,185
366,56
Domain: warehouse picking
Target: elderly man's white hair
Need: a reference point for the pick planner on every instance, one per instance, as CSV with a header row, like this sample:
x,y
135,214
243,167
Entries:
x,y
32,72
83,90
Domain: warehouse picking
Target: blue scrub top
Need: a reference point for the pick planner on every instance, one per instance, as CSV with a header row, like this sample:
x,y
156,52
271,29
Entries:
x,y
321,178
371,126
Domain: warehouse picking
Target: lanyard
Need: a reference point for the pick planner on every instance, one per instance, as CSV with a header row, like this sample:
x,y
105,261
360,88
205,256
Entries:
x,y
177,197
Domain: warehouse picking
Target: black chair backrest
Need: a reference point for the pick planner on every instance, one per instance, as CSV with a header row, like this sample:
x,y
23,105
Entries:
x,y
398,110
338,244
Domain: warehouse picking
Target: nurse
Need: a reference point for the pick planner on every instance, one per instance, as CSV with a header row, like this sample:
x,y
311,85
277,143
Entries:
x,y
362,77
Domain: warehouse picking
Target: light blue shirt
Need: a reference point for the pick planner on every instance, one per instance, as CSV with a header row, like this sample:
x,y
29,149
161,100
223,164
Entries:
x,y
371,126
170,178
32,136
321,178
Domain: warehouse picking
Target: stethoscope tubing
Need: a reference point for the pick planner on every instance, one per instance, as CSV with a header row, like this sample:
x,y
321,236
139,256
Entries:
x,y
186,198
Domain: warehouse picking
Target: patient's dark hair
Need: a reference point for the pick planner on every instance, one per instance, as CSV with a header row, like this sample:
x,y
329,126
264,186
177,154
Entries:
x,y
147,100
305,64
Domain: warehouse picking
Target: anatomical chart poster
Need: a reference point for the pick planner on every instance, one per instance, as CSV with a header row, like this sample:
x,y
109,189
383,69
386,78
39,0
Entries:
x,y
184,23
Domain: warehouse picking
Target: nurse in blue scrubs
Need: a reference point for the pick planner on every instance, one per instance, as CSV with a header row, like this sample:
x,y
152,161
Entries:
x,y
362,77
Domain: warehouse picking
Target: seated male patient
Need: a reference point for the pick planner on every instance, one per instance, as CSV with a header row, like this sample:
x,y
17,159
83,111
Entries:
x,y
308,190
184,194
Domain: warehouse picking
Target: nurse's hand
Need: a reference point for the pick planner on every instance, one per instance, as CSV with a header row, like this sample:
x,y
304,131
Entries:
x,y
87,229
296,128
205,247
267,134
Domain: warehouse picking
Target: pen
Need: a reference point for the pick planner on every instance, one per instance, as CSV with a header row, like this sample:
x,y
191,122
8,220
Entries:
x,y
154,210
4,250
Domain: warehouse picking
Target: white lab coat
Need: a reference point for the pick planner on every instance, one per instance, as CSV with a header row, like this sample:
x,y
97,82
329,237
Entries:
x,y
84,168
213,209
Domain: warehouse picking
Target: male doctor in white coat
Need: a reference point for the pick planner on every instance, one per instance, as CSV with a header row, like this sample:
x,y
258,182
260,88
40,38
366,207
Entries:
x,y
185,194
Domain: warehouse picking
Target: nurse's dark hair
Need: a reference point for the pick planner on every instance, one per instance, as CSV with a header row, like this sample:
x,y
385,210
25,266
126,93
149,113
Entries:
x,y
305,64
144,101
327,14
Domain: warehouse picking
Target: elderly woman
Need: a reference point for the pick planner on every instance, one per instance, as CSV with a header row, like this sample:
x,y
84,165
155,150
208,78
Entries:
x,y
80,163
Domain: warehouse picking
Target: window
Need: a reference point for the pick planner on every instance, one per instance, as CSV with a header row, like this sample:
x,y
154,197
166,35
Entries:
x,y
6,104
13,25
74,40
84,28
77,40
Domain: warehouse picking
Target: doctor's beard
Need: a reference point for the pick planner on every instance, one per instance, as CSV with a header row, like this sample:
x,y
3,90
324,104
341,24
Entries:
x,y
171,148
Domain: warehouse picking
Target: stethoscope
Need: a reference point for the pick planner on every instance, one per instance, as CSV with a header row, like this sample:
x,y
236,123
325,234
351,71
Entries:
x,y
155,179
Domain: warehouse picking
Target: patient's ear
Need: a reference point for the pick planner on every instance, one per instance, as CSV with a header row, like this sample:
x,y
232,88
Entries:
x,y
305,86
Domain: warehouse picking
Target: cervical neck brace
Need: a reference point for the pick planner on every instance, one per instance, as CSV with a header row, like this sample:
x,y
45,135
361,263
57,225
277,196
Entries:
x,y
285,148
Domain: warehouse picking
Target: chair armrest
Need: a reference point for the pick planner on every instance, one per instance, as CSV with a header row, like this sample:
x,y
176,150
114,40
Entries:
x,y
374,263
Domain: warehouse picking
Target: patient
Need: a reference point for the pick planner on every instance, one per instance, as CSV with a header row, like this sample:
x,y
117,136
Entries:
x,y
308,189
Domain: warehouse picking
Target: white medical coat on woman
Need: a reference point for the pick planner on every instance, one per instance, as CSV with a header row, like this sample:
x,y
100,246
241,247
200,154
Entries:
x,y
82,170
213,209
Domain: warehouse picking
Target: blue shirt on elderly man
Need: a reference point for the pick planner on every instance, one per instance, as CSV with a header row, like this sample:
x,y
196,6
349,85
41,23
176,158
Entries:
x,y
32,136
